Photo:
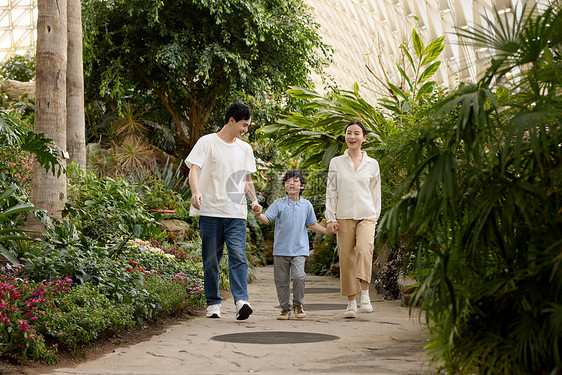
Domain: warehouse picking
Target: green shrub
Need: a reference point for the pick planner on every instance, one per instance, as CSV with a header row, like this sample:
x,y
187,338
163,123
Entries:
x,y
18,67
325,254
108,210
85,315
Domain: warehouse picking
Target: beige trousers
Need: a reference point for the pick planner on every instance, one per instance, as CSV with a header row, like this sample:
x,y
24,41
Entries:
x,y
356,240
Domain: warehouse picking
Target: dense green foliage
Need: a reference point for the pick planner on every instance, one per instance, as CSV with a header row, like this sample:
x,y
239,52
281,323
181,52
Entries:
x,y
18,67
187,59
481,205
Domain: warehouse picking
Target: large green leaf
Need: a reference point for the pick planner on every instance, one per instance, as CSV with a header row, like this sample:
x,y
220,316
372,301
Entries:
x,y
433,50
428,72
425,89
8,255
405,76
418,43
398,91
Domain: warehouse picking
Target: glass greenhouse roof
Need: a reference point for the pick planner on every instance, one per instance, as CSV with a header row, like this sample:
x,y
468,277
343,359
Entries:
x,y
365,35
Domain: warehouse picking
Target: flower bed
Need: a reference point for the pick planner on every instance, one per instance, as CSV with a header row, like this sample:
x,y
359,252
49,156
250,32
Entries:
x,y
37,318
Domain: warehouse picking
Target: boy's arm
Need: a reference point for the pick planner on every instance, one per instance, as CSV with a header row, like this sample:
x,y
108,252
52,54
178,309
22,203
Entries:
x,y
317,228
262,218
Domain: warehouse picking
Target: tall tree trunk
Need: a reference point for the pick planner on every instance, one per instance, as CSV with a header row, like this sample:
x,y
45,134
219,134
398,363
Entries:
x,y
75,121
47,190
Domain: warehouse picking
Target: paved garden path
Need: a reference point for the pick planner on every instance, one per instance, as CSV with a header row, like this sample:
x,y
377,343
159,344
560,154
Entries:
x,y
386,341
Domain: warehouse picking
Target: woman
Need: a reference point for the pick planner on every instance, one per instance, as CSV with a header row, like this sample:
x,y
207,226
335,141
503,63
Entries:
x,y
353,206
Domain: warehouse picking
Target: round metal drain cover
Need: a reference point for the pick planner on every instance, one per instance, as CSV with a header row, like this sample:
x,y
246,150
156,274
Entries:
x,y
324,306
274,337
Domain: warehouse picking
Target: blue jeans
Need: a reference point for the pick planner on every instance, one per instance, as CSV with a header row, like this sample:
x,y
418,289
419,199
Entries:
x,y
215,232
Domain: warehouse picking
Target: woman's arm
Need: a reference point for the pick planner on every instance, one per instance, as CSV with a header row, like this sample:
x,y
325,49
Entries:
x,y
331,193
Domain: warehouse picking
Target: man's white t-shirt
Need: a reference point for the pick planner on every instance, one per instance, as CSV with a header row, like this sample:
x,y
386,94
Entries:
x,y
222,178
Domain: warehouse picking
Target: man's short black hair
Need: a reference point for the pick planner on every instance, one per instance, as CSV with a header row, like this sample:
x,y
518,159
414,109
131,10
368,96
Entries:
x,y
238,111
292,174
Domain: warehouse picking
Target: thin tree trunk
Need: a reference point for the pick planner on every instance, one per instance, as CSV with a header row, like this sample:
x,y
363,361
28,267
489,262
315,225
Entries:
x,y
75,120
47,190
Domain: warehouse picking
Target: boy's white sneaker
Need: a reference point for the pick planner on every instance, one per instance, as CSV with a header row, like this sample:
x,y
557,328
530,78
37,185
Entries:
x,y
214,311
366,306
243,310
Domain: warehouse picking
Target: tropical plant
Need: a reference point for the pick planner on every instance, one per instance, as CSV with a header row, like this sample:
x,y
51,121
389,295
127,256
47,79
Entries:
x,y
173,179
131,122
481,206
133,153
319,136
12,212
416,86
13,133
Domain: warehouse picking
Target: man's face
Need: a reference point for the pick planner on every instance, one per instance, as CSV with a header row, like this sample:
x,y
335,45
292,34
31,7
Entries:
x,y
240,127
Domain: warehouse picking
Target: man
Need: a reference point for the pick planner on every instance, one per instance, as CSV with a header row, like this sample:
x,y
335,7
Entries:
x,y
220,177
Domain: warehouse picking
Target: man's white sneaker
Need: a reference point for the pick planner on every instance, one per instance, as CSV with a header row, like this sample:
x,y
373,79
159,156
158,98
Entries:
x,y
243,310
214,311
366,306
351,311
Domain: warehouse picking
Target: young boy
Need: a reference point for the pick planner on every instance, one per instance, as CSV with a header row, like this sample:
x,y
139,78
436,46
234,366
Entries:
x,y
292,216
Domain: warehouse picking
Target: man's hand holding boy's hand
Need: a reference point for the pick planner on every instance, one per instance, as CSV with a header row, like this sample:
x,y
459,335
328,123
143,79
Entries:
x,y
256,208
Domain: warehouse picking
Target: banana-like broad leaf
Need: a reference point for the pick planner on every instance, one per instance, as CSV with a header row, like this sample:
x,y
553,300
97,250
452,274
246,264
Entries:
x,y
8,255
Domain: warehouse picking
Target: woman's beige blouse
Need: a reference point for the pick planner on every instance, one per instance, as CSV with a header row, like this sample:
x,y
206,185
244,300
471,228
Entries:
x,y
353,194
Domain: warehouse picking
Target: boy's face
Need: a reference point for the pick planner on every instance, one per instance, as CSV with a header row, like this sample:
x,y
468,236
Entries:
x,y
240,127
293,185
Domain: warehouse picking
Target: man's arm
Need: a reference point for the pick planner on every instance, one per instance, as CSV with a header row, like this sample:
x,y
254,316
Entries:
x,y
249,190
196,197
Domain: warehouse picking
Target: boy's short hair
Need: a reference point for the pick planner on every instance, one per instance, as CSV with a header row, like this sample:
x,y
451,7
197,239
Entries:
x,y
238,111
292,174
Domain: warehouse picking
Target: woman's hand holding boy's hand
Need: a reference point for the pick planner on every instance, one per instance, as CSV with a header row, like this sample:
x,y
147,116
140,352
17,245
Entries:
x,y
332,228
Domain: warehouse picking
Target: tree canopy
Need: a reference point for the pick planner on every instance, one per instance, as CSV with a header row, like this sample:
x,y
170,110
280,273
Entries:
x,y
189,58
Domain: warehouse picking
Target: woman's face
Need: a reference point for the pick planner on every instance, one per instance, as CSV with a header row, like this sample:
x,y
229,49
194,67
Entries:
x,y
354,137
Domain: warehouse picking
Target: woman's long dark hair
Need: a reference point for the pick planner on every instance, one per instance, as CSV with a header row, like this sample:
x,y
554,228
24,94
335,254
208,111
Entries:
x,y
358,123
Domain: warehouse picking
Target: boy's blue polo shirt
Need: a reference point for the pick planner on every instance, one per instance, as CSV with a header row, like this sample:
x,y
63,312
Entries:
x,y
291,219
